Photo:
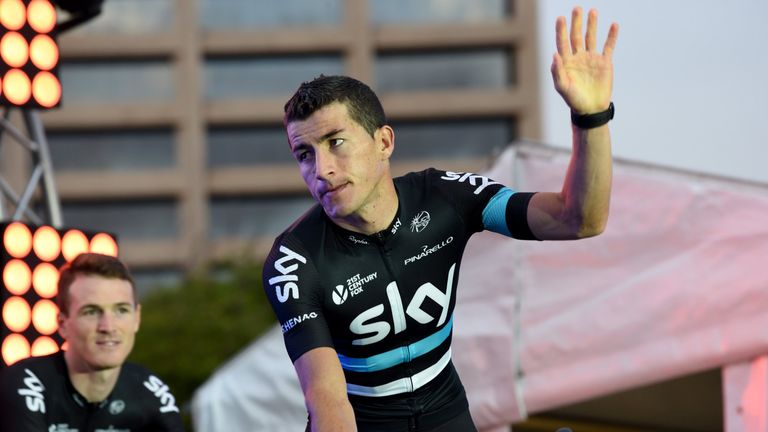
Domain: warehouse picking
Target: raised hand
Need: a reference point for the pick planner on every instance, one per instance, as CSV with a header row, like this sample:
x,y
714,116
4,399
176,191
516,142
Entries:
x,y
583,76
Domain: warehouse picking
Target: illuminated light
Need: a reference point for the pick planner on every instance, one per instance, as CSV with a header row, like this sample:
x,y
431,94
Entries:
x,y
73,244
17,87
15,348
43,52
17,240
44,317
14,49
104,244
46,243
46,89
17,314
13,14
45,280
44,345
17,277
41,15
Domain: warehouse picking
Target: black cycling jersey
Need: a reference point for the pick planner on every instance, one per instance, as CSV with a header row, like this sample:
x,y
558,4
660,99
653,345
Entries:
x,y
385,302
36,395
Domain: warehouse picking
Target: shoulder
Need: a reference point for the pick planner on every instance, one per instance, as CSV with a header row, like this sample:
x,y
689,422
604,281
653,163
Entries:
x,y
148,386
33,371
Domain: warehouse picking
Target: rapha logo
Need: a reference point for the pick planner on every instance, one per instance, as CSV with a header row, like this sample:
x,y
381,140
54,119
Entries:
x,y
353,288
420,221
356,240
61,427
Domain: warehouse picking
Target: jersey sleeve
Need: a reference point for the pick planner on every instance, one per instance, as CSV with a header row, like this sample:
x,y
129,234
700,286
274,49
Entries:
x,y
293,287
22,401
484,203
163,409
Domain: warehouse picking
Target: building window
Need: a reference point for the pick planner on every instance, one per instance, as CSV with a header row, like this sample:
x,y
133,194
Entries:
x,y
244,146
437,11
130,220
444,70
117,81
133,149
452,139
130,17
229,14
277,76
253,217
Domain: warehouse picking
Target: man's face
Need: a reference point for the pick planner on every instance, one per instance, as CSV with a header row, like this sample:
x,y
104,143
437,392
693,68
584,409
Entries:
x,y
342,165
101,324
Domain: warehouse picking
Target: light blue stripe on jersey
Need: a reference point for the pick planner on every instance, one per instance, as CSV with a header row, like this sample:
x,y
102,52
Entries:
x,y
398,355
495,212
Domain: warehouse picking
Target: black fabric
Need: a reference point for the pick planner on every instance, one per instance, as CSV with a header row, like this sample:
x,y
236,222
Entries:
x,y
36,395
517,216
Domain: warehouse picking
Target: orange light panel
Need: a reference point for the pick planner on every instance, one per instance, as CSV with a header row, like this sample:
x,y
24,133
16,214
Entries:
x,y
73,244
46,243
44,317
45,280
13,14
17,87
43,52
15,348
16,314
44,345
104,244
14,49
41,15
46,89
17,277
17,240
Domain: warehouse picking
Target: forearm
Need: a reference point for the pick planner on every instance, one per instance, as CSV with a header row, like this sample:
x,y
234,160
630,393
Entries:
x,y
587,186
330,412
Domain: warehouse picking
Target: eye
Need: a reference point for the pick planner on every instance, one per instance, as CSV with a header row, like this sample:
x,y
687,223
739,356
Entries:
x,y
335,142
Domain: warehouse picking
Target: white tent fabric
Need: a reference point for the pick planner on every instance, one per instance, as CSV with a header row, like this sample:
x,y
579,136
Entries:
x,y
677,284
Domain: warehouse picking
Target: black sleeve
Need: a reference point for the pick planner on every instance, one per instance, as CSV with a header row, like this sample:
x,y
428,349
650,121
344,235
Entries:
x,y
163,409
22,400
292,285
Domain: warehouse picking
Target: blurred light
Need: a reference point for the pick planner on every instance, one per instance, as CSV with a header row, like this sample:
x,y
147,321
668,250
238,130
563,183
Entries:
x,y
45,280
45,317
104,244
14,49
44,345
17,277
41,15
13,14
73,244
15,348
43,52
17,87
46,243
16,314
17,240
46,89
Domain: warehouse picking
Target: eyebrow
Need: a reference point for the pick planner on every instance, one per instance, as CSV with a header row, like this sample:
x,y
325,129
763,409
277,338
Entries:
x,y
305,146
96,306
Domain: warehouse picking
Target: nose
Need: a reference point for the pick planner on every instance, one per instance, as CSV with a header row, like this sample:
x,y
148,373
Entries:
x,y
106,322
325,165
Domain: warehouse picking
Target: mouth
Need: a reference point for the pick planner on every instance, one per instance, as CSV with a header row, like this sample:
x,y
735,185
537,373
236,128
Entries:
x,y
332,191
108,343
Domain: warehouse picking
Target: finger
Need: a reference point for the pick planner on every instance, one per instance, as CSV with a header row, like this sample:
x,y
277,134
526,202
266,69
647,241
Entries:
x,y
610,41
591,30
558,74
577,40
561,37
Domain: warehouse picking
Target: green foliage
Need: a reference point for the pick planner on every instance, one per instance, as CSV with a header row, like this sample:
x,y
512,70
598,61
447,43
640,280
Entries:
x,y
189,330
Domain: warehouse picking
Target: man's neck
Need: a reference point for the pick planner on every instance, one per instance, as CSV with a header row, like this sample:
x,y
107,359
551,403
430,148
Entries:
x,y
376,215
93,385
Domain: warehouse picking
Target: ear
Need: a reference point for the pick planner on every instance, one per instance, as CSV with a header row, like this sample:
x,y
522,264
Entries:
x,y
385,141
138,316
62,320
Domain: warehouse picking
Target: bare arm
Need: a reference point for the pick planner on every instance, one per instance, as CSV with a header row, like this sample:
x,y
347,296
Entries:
x,y
325,391
584,78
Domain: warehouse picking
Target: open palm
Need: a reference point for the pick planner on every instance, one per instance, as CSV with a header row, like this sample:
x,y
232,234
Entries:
x,y
583,76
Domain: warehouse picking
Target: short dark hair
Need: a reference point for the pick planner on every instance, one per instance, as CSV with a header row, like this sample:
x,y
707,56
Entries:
x,y
90,264
362,103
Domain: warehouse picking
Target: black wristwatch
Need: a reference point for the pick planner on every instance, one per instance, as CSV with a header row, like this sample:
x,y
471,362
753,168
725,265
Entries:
x,y
589,121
